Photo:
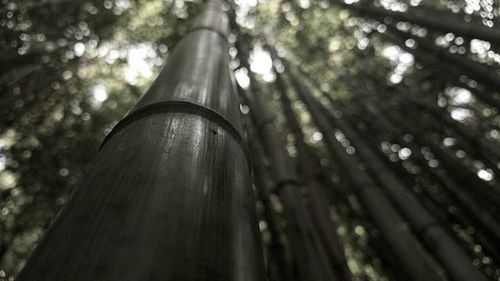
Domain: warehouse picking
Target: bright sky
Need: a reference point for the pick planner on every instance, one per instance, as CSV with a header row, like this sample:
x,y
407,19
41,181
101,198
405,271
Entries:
x,y
99,95
260,64
139,62
400,59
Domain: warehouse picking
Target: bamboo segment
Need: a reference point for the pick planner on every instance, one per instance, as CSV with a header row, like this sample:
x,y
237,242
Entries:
x,y
169,195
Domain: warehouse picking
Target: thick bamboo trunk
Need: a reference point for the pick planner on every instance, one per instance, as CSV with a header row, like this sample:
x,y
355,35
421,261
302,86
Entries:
x,y
441,21
411,256
169,196
318,203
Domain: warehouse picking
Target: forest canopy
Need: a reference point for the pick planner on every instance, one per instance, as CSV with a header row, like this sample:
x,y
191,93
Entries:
x,y
371,127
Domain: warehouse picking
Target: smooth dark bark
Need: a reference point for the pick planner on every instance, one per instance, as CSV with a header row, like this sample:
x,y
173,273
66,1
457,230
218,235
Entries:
x,y
169,195
441,21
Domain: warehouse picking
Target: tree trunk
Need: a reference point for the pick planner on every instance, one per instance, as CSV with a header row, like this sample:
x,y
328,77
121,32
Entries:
x,y
41,3
278,252
485,193
481,218
457,263
311,260
318,203
474,140
169,196
481,73
414,260
433,63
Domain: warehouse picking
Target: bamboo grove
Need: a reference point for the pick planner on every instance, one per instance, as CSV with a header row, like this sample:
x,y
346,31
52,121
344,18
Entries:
x,y
280,140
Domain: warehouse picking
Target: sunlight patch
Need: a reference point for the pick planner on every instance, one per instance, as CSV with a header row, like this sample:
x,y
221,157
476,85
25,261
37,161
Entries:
x,y
260,61
140,62
401,61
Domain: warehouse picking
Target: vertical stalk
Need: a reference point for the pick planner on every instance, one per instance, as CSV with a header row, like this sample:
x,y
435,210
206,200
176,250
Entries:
x,y
453,258
310,257
169,195
413,258
277,250
318,204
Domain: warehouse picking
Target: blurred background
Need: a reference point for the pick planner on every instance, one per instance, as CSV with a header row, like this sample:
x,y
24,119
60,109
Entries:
x,y
71,69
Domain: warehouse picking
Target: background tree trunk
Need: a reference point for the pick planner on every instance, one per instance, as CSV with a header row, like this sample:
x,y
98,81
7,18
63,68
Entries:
x,y
412,257
311,173
442,21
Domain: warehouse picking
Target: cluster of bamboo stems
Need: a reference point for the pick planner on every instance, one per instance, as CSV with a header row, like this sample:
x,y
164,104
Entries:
x,y
170,195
